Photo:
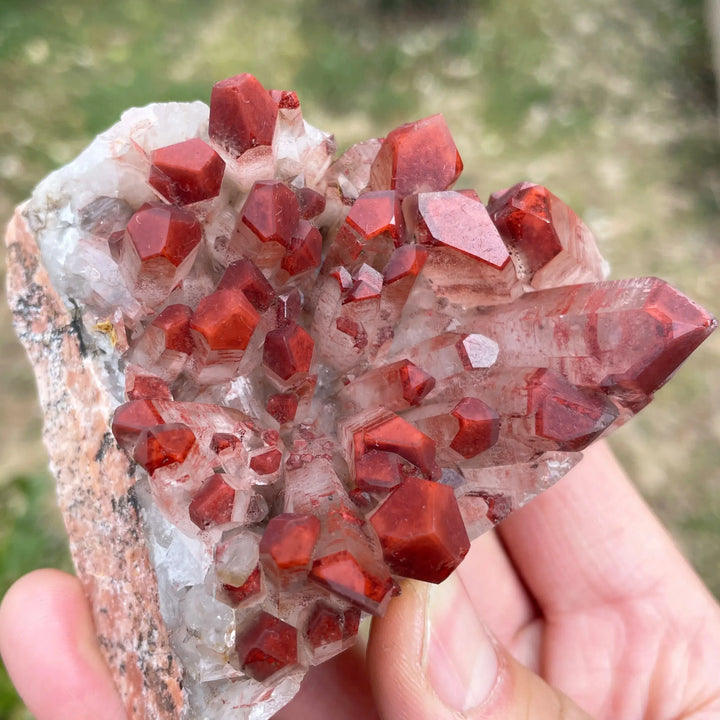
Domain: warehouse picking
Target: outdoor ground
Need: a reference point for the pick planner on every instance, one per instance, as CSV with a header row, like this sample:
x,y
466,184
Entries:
x,y
610,104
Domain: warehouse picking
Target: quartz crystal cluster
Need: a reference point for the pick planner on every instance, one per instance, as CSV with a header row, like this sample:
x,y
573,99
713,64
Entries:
x,y
331,372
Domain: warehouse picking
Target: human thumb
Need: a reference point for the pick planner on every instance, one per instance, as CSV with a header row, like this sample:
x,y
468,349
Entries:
x,y
431,658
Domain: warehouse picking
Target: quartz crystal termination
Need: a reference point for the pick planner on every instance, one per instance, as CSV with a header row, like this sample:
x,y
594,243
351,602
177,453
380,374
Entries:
x,y
326,373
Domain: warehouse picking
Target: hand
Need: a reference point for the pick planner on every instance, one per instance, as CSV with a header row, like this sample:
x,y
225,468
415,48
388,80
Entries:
x,y
583,587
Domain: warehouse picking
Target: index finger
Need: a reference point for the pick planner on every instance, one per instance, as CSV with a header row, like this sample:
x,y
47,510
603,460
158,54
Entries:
x,y
592,540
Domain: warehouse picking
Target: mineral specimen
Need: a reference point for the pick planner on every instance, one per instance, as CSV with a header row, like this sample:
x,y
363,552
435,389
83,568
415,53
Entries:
x,y
326,374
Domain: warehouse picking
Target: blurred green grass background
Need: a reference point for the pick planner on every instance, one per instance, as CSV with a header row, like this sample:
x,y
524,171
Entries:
x,y
610,104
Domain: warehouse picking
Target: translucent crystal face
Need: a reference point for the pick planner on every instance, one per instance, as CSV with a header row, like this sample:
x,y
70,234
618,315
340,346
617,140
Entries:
x,y
339,371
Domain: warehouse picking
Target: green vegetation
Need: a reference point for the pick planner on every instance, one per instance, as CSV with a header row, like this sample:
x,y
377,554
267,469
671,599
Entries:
x,y
610,104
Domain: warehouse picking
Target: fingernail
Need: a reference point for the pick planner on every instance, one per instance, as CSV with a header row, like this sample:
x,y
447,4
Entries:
x,y
462,663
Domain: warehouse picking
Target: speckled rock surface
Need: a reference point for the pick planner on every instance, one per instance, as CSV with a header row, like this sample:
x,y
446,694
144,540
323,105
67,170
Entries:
x,y
95,490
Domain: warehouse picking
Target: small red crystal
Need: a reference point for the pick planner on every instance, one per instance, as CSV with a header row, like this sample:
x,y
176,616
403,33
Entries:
x,y
416,383
285,99
163,231
417,157
421,530
479,427
375,213
282,407
569,416
343,574
399,436
225,320
268,646
224,441
174,321
213,503
304,249
242,114
310,201
163,445
266,462
288,350
367,284
377,471
246,276
270,213
324,626
289,540
252,586
131,419
186,172
406,261
146,387
353,330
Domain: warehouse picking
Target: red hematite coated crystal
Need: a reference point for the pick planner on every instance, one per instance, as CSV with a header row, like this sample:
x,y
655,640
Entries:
x,y
416,383
367,284
421,530
187,172
375,213
288,350
131,419
289,540
251,587
353,330
417,157
479,427
406,261
163,445
268,646
282,407
266,462
225,320
304,250
242,114
681,325
285,99
310,201
344,575
224,441
550,244
456,221
566,414
246,276
399,436
146,387
213,503
324,626
163,231
377,471
174,321
523,217
270,213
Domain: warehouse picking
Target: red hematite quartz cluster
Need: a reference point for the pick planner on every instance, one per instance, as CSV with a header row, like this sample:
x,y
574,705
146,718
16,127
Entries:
x,y
338,371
